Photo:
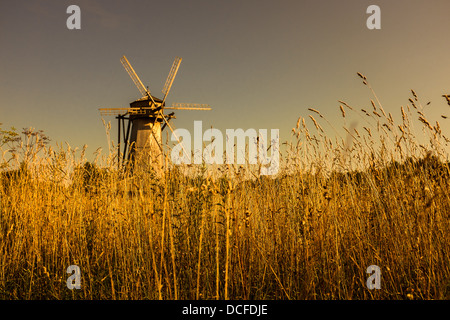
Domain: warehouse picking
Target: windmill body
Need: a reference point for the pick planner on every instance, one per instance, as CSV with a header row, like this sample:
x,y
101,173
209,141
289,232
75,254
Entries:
x,y
145,136
141,124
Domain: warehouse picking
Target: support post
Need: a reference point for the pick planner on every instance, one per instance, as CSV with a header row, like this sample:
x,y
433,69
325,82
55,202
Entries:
x,y
118,143
126,139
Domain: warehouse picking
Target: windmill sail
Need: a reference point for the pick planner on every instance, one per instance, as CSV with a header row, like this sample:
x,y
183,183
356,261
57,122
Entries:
x,y
133,75
171,77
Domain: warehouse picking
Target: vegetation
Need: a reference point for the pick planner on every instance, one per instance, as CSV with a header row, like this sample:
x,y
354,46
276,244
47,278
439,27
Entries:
x,y
336,207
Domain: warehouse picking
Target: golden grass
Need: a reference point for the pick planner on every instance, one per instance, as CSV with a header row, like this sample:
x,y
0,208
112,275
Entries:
x,y
310,233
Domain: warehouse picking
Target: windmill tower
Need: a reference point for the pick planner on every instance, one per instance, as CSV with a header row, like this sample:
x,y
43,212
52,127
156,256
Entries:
x,y
140,126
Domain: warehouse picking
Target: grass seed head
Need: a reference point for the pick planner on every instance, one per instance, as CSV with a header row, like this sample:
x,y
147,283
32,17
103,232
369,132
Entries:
x,y
342,111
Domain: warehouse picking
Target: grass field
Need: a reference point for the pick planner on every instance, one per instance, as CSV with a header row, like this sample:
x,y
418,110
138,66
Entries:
x,y
376,196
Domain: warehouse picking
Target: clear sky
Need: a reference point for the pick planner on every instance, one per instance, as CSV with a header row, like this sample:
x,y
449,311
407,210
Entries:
x,y
259,64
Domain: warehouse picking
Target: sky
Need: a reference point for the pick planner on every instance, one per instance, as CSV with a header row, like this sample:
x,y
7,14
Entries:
x,y
258,64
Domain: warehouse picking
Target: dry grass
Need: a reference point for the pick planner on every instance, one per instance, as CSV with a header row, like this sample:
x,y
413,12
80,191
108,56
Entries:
x,y
378,197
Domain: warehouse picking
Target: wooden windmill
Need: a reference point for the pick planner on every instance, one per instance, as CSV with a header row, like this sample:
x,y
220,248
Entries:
x,y
142,123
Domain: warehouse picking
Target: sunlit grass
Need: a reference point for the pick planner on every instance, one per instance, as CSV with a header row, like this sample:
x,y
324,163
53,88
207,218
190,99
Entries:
x,y
377,195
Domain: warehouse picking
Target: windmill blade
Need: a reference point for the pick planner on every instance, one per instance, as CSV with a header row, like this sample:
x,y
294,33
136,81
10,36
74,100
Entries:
x,y
167,123
189,106
171,77
121,111
126,64
170,116
112,111
186,108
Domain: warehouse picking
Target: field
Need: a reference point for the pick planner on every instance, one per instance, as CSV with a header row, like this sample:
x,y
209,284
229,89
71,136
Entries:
x,y
377,196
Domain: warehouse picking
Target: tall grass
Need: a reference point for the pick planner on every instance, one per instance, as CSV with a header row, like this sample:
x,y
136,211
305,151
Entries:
x,y
373,195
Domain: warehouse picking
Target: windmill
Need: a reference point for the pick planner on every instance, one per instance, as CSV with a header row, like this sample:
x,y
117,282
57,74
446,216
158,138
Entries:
x,y
142,123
